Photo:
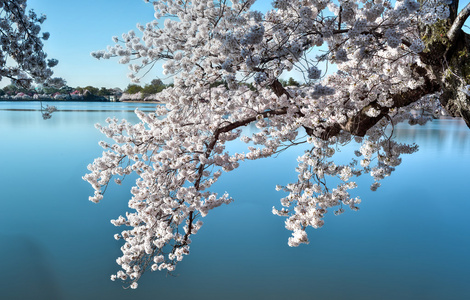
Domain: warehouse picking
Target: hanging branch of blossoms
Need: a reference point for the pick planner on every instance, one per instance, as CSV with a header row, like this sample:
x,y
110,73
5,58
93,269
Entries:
x,y
226,61
22,58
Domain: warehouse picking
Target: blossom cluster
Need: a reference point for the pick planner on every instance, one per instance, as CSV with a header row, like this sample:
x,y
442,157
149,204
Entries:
x,y
226,60
21,40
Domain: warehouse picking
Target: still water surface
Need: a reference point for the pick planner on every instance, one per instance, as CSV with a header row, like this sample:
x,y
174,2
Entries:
x,y
409,240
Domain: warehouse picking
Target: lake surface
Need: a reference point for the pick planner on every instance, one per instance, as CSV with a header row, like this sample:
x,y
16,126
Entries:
x,y
409,240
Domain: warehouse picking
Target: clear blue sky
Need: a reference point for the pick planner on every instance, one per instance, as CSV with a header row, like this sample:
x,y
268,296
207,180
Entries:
x,y
80,27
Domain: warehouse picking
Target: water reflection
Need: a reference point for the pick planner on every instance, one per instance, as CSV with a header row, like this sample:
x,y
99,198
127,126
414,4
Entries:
x,y
440,135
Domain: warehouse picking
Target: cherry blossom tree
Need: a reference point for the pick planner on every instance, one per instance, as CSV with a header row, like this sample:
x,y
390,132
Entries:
x,y
401,62
22,58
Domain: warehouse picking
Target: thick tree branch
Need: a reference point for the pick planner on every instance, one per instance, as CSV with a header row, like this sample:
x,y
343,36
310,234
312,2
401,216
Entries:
x,y
456,27
360,123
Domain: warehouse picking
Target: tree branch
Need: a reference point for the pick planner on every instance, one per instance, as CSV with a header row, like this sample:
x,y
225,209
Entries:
x,y
456,27
279,90
360,123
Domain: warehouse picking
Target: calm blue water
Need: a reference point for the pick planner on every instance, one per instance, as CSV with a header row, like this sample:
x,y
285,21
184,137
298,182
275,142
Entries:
x,y
410,240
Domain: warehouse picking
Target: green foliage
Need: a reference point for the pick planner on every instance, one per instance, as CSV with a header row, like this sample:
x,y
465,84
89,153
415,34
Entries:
x,y
436,34
133,89
154,87
157,82
290,82
93,90
105,92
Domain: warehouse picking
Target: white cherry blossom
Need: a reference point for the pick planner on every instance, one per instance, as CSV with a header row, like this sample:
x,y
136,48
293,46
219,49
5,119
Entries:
x,y
22,59
226,61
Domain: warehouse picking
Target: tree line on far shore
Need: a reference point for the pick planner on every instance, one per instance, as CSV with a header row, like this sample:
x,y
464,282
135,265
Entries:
x,y
131,92
84,93
135,92
65,92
